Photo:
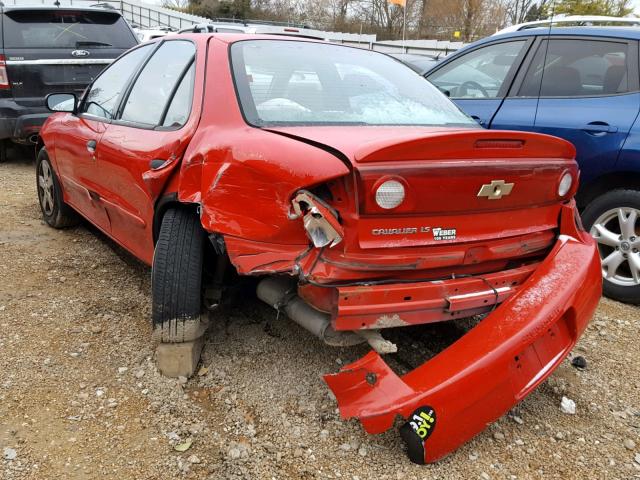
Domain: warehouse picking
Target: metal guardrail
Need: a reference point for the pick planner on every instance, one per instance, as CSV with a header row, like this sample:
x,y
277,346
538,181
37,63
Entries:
x,y
416,47
145,15
149,16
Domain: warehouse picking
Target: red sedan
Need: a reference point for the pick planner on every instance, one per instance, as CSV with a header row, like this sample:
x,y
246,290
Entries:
x,y
357,192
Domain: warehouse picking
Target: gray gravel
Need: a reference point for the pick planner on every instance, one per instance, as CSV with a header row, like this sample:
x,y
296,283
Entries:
x,y
80,396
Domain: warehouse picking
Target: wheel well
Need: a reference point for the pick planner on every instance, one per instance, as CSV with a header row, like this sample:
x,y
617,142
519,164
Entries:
x,y
606,183
39,145
164,204
218,274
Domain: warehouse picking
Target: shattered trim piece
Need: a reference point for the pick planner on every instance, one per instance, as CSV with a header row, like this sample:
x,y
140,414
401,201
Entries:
x,y
320,220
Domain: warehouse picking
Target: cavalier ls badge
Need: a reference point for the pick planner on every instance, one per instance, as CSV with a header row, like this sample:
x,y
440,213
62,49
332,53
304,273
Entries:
x,y
495,190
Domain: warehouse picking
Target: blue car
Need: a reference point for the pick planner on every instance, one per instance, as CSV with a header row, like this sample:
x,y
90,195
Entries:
x,y
581,84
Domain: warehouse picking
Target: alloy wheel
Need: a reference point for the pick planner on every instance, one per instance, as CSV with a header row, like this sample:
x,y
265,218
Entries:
x,y
619,244
45,188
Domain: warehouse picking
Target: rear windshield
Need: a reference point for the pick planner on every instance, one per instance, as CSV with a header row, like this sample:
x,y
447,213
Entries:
x,y
303,83
66,29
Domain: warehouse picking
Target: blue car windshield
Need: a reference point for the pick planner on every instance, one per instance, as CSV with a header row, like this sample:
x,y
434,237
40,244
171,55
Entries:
x,y
284,82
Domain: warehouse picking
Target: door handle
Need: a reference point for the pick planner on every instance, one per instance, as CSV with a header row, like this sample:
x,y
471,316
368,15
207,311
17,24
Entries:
x,y
156,163
91,146
477,119
599,127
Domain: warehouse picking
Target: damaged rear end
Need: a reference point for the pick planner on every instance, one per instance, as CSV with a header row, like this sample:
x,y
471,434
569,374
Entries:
x,y
421,232
368,202
435,227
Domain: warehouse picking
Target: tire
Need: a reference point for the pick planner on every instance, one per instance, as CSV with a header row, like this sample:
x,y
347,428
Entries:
x,y
55,212
176,279
3,150
614,221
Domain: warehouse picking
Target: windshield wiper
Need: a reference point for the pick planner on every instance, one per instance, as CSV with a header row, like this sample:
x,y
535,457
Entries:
x,y
89,43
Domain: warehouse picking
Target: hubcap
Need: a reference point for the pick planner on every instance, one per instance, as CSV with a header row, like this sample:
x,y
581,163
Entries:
x,y
618,242
45,188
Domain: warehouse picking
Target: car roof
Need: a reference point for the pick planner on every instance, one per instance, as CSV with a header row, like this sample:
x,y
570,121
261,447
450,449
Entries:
x,y
227,37
632,33
627,33
566,20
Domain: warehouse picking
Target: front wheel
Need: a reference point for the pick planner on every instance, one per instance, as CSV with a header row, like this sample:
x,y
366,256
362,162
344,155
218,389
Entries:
x,y
55,212
612,219
176,279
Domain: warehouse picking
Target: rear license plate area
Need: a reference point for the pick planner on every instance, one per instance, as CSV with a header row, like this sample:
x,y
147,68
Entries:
x,y
534,363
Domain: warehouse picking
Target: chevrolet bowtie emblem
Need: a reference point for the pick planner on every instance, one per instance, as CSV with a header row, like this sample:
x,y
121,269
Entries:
x,y
495,190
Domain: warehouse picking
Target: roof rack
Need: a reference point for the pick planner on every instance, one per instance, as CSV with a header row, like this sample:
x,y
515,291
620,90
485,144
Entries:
x,y
103,5
574,21
247,22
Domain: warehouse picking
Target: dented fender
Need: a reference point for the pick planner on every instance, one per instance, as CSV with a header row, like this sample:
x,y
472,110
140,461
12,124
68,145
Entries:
x,y
231,173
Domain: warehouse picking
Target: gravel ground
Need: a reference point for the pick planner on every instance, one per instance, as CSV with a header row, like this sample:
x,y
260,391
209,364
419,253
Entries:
x,y
80,396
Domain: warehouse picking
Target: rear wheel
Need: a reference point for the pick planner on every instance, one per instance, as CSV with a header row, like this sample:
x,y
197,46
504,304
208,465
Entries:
x,y
613,220
177,278
55,212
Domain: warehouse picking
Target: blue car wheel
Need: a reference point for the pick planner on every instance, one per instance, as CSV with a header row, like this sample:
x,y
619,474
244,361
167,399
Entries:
x,y
614,221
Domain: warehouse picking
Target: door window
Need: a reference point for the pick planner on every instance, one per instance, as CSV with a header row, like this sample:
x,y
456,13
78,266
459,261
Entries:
x,y
480,73
156,83
180,107
102,98
577,68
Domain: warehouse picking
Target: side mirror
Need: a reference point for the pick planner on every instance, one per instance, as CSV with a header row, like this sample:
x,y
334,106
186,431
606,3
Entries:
x,y
62,102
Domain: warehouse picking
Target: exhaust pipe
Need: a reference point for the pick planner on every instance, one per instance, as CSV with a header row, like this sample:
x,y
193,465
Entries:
x,y
281,294
33,139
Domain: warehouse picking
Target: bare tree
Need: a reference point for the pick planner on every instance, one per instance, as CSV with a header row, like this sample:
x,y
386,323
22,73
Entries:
x,y
386,19
517,10
472,18
182,5
424,18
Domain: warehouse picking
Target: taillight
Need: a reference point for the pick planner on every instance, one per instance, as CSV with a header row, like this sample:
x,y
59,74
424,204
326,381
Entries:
x,y
566,182
390,194
4,78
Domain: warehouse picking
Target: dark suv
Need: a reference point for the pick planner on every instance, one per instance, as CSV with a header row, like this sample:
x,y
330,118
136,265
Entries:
x,y
51,49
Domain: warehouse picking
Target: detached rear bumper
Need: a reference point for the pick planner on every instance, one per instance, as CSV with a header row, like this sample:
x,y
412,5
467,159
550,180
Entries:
x,y
495,365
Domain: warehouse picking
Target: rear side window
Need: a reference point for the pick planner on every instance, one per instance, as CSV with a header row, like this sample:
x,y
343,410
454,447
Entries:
x,y
479,73
180,107
66,29
577,68
156,83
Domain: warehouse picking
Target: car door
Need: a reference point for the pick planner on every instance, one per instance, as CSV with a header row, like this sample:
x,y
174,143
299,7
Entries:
x,y
478,80
77,153
586,90
149,136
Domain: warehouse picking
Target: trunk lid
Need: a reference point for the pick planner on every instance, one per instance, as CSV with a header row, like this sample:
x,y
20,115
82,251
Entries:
x,y
370,144
464,185
60,50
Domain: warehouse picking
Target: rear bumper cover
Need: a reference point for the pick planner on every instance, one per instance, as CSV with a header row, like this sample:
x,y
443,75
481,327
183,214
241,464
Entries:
x,y
495,365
